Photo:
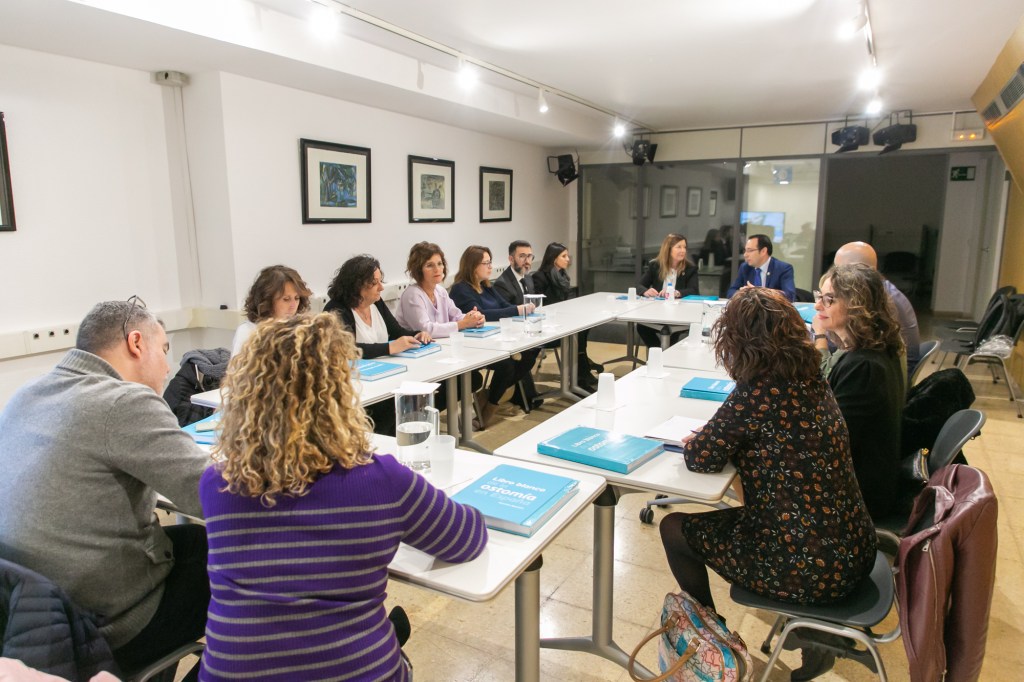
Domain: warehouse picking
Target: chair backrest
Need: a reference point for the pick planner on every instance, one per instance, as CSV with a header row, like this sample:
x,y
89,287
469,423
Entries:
x,y
899,262
804,296
993,320
958,429
927,349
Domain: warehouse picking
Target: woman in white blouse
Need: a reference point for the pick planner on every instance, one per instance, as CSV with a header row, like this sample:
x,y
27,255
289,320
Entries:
x,y
426,305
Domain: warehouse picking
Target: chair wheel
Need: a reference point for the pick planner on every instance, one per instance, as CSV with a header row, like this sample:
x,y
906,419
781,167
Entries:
x,y
765,649
647,515
662,496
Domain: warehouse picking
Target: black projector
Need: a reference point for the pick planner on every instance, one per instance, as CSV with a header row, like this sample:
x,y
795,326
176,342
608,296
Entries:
x,y
895,136
850,137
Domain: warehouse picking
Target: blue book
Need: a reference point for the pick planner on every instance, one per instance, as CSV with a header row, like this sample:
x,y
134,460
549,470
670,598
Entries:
x,y
695,297
704,388
481,332
420,351
617,452
806,311
372,370
517,500
203,431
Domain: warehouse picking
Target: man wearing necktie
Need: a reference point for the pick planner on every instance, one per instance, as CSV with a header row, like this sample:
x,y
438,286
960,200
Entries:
x,y
516,281
760,269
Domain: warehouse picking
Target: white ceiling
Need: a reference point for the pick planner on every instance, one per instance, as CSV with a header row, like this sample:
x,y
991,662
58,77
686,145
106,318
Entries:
x,y
666,64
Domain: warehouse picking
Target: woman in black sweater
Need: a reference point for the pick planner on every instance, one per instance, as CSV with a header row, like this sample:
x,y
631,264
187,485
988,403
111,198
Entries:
x,y
671,265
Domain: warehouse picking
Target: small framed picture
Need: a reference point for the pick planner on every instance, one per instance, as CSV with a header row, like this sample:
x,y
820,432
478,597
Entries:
x,y
495,194
713,202
6,200
669,201
335,183
431,190
693,201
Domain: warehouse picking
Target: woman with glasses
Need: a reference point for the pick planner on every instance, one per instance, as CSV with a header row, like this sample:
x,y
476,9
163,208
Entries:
x,y
473,291
355,297
802,535
670,267
866,375
552,280
278,292
303,518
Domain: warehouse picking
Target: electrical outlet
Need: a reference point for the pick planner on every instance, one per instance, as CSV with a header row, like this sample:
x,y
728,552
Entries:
x,y
50,339
497,270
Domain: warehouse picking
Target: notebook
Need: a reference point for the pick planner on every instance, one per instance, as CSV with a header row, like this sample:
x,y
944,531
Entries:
x,y
372,370
671,432
420,351
517,500
704,388
609,450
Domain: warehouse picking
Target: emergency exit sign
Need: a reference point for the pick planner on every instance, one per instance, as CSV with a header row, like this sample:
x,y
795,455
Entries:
x,y
962,173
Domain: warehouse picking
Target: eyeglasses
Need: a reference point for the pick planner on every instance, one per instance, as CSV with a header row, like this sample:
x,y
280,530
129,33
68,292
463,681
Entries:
x,y
485,262
135,302
751,250
525,256
826,300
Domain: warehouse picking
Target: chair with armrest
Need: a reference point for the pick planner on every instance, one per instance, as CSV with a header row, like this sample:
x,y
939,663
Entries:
x,y
996,317
927,349
992,359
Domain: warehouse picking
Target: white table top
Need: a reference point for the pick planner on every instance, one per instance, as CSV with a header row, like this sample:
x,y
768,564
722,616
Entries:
x,y
692,353
665,312
645,403
560,320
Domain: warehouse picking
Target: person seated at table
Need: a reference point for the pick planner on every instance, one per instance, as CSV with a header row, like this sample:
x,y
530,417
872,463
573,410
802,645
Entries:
x,y
713,252
277,292
552,280
866,375
473,291
803,534
425,304
761,269
303,517
516,281
355,297
671,266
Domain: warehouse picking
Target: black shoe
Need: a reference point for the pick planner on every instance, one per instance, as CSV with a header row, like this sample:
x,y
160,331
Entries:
x,y
400,621
814,662
595,366
587,382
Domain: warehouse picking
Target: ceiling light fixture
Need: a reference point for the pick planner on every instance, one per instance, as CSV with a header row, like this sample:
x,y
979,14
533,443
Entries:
x,y
619,128
874,106
870,78
467,76
323,22
542,103
849,28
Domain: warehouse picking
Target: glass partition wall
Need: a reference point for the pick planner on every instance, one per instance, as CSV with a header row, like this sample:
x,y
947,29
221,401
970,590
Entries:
x,y
627,210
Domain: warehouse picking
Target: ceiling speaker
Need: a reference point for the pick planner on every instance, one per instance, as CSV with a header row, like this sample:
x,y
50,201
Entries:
x,y
895,136
850,137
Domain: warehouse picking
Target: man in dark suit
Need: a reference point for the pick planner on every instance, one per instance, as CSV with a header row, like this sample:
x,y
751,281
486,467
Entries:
x,y
761,270
516,281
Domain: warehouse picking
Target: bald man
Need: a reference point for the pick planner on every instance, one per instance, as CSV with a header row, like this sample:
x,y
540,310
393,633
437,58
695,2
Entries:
x,y
861,252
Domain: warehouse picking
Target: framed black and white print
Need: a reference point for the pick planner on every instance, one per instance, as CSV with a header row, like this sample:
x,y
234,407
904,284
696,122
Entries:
x,y
495,194
693,201
669,201
335,183
712,202
431,190
6,200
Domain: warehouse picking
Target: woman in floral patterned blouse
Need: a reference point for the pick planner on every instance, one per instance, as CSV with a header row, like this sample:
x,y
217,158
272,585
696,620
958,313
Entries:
x,y
803,534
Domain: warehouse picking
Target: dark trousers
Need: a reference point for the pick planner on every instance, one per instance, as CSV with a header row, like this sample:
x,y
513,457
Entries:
x,y
181,616
506,373
651,337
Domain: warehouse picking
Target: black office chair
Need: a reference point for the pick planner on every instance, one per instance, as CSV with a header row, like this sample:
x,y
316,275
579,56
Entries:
x,y
851,618
995,318
962,325
992,359
804,296
927,350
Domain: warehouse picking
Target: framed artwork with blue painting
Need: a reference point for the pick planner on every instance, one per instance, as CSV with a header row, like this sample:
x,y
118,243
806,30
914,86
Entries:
x,y
431,190
335,183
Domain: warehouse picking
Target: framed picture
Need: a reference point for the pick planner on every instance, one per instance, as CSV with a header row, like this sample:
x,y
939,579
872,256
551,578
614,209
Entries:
x,y
693,201
495,194
335,183
713,202
431,190
646,201
6,200
669,201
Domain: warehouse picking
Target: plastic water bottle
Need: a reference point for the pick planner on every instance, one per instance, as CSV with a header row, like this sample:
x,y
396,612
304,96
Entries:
x,y
670,290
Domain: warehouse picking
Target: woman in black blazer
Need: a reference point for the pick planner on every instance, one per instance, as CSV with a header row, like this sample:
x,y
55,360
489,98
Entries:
x,y
671,264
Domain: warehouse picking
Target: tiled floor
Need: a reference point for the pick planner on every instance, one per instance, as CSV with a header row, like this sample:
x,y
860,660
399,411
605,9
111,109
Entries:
x,y
459,641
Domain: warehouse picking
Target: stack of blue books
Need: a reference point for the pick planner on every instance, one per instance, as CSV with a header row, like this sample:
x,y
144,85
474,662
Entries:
x,y
420,351
704,388
372,370
517,500
481,332
806,310
695,297
203,431
609,450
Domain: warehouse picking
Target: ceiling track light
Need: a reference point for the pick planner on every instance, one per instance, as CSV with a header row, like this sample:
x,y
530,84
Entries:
x,y
618,128
542,102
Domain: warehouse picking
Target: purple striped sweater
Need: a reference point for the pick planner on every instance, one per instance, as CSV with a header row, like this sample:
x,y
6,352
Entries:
x,y
298,589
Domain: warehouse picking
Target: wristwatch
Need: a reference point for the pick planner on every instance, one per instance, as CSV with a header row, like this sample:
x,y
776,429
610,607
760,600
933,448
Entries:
x,y
819,336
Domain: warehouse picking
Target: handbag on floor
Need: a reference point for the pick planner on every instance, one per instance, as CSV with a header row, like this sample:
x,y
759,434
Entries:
x,y
694,645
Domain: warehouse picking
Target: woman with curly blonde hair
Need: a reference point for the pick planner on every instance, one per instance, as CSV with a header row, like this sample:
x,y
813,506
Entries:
x,y
866,373
303,518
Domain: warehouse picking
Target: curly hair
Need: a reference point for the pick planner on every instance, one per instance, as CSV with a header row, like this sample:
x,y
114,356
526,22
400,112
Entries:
x,y
259,304
871,321
419,254
761,335
471,258
665,254
351,278
293,412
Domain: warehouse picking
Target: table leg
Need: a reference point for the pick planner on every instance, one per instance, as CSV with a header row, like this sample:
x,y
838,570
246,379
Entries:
x,y
574,368
665,336
451,386
632,352
600,642
528,623
466,410
566,375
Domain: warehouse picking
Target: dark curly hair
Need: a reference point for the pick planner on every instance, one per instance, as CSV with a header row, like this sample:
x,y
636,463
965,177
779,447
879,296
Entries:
x,y
871,321
419,254
259,304
761,336
350,279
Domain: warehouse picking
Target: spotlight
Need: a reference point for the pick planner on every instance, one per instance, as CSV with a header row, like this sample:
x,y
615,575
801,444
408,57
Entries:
x,y
895,136
874,106
467,76
641,151
619,129
542,103
850,138
564,168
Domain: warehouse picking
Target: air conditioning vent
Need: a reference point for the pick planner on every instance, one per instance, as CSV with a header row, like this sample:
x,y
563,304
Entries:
x,y
1013,91
992,112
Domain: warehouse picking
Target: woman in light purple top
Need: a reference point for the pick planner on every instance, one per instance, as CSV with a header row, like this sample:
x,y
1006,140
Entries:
x,y
426,305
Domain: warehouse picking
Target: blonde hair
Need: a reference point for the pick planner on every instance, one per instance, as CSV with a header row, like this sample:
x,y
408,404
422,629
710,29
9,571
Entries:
x,y
292,411
664,258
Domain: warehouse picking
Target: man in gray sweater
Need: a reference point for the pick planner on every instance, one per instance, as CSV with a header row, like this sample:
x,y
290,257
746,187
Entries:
x,y
84,450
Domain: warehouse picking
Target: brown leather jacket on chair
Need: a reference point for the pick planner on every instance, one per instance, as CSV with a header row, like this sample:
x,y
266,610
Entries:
x,y
946,575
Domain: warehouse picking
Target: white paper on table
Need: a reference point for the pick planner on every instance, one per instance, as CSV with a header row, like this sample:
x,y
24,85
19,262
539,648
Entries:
x,y
675,428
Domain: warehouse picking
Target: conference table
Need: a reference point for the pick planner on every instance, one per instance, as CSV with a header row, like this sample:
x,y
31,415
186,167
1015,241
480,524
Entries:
x,y
692,353
642,403
662,313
